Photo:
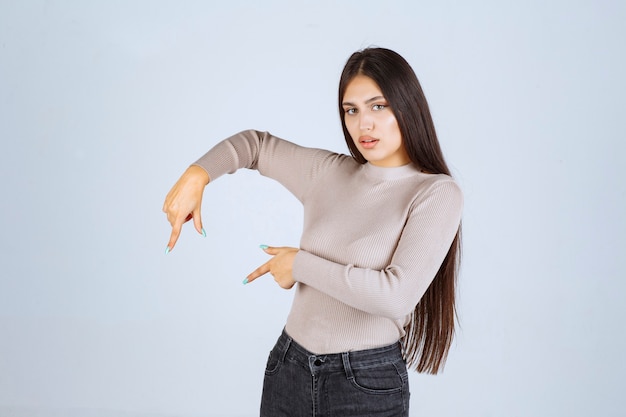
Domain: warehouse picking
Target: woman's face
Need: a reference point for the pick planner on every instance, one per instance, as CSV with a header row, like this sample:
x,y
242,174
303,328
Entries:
x,y
372,125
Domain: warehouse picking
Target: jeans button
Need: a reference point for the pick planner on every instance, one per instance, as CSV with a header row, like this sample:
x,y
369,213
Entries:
x,y
317,362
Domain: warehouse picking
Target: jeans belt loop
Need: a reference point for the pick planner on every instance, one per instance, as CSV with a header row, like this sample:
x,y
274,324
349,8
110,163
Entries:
x,y
285,349
345,357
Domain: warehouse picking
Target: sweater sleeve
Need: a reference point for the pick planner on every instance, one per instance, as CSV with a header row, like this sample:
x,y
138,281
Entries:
x,y
394,291
295,167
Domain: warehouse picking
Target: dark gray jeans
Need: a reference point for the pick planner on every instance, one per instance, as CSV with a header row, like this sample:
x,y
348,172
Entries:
x,y
371,382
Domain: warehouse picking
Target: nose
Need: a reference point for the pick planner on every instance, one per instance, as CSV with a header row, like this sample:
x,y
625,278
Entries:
x,y
366,122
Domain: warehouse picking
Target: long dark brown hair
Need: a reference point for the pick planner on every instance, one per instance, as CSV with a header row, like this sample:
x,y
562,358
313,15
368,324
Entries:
x,y
430,331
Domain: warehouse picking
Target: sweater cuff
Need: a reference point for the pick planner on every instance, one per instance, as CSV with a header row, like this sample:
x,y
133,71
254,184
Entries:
x,y
221,159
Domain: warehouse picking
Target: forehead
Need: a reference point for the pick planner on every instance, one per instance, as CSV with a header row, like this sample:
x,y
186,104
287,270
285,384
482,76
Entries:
x,y
361,88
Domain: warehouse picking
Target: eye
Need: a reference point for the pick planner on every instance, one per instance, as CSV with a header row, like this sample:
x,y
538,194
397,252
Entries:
x,y
350,110
377,107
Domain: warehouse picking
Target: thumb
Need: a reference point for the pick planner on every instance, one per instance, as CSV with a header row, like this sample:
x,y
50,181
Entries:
x,y
197,222
270,250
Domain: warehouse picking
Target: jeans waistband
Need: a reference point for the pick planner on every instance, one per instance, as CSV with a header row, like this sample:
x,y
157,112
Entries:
x,y
290,349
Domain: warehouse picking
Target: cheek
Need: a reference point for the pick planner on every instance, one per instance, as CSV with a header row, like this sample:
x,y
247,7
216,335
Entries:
x,y
391,123
350,125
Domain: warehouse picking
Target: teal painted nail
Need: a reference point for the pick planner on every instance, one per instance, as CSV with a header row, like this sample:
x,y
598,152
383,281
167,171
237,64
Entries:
x,y
167,250
263,247
245,281
203,232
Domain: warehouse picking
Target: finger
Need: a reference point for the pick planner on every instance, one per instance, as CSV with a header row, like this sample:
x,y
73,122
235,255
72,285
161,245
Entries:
x,y
270,250
197,222
260,271
176,227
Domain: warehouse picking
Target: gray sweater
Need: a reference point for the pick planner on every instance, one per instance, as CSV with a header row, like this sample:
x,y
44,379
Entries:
x,y
372,242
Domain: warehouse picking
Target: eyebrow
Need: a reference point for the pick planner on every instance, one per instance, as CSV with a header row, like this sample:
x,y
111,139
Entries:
x,y
347,103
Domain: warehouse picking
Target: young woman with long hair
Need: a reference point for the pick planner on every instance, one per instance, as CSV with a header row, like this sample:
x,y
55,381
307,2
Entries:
x,y
378,259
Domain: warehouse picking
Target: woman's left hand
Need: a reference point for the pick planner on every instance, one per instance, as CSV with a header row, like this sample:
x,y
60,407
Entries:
x,y
280,266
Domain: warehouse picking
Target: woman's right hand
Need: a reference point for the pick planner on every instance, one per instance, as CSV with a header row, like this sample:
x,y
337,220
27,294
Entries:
x,y
184,201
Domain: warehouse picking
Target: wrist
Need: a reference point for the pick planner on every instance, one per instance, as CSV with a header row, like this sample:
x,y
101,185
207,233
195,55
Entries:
x,y
198,174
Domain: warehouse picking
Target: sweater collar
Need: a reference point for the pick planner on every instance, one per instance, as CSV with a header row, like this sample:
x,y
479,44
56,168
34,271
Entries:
x,y
392,173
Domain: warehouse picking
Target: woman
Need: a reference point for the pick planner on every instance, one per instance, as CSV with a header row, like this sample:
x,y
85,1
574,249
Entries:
x,y
378,257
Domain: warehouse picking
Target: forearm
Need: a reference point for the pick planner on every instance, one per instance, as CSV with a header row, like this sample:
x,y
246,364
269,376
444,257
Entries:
x,y
389,292
295,167
238,151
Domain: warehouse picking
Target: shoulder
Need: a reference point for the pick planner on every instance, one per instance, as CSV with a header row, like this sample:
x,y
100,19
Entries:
x,y
439,187
439,180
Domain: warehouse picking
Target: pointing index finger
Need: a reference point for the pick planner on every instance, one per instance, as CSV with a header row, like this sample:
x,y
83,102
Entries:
x,y
176,228
262,270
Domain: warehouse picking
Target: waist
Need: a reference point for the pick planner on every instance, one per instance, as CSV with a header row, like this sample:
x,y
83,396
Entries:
x,y
289,349
323,324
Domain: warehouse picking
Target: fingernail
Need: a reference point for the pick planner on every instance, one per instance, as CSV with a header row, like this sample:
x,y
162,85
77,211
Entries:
x,y
263,247
245,281
167,250
203,232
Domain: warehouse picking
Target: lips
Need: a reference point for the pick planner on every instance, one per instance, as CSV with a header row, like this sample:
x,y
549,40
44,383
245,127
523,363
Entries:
x,y
368,142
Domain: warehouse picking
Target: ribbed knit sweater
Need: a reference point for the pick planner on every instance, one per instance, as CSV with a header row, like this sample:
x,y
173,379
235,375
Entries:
x,y
373,238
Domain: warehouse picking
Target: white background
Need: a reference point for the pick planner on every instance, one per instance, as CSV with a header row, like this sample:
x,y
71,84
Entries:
x,y
104,104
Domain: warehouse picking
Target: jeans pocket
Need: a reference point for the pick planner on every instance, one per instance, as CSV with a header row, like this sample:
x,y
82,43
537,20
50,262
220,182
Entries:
x,y
273,363
385,378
